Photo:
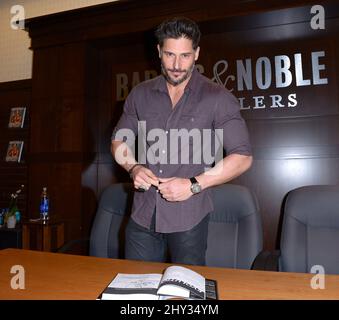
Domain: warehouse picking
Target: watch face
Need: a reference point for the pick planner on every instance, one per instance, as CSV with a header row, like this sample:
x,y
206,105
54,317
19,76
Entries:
x,y
195,188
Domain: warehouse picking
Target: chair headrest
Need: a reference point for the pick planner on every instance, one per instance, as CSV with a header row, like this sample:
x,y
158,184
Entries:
x,y
232,203
117,198
316,205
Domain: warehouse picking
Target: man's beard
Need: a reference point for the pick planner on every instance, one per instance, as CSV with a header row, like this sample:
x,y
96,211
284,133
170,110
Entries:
x,y
187,73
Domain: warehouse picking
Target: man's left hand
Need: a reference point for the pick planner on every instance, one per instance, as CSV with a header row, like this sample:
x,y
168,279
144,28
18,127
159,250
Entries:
x,y
175,189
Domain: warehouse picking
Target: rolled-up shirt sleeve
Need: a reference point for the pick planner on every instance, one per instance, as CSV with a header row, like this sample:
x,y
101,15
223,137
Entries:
x,y
234,130
128,120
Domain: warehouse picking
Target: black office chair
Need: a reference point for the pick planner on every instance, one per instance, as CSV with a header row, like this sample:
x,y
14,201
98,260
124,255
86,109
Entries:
x,y
310,231
235,232
108,230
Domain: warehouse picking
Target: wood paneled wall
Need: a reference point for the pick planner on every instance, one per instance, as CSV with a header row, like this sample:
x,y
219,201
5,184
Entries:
x,y
13,174
78,55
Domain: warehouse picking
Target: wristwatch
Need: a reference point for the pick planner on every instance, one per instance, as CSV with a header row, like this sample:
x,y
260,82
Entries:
x,y
195,186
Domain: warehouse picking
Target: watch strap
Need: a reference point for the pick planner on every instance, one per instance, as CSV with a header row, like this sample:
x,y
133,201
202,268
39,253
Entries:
x,y
193,180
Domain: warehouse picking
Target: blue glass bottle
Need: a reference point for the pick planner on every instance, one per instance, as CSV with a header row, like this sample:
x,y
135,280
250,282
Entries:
x,y
44,205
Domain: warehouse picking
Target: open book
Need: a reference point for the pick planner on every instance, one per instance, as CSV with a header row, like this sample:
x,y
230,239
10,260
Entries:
x,y
175,282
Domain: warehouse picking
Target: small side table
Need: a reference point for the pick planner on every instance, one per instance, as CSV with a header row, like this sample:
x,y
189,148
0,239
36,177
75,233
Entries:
x,y
49,235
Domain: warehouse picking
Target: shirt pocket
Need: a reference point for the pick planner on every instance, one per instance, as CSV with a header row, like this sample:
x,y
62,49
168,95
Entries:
x,y
191,141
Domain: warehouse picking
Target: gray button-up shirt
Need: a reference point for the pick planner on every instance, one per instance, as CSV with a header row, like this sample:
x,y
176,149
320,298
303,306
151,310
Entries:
x,y
204,105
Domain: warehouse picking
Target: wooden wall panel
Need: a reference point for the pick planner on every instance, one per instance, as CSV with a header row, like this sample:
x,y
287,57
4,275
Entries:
x,y
59,147
12,175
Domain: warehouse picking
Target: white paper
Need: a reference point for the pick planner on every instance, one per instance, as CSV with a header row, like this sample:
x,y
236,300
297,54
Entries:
x,y
135,281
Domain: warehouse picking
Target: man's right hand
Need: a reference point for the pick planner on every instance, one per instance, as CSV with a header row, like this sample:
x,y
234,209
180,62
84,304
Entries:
x,y
144,177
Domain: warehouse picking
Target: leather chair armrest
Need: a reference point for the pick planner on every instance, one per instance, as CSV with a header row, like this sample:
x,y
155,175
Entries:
x,y
267,261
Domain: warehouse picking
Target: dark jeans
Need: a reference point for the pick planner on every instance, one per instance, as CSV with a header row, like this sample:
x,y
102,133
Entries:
x,y
187,247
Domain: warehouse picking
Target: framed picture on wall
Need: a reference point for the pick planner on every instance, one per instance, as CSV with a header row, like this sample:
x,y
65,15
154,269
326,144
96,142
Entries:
x,y
17,117
14,151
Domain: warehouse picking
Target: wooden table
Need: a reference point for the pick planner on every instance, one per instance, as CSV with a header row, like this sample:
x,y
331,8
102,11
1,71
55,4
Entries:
x,y
61,276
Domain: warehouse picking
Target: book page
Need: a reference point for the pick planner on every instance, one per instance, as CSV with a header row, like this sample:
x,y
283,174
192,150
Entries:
x,y
186,278
132,287
136,281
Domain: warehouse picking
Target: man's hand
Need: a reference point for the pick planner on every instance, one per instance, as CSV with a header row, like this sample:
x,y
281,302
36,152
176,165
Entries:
x,y
175,189
143,177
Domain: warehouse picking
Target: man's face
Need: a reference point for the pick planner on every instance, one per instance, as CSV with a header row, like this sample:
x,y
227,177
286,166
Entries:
x,y
177,59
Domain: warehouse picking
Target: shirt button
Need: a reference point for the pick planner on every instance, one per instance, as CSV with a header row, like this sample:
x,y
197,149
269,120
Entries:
x,y
166,131
160,171
163,151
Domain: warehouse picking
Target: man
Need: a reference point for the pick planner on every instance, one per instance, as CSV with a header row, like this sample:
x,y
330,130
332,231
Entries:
x,y
172,212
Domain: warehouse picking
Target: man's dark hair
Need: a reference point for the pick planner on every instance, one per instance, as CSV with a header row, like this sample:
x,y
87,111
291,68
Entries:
x,y
176,28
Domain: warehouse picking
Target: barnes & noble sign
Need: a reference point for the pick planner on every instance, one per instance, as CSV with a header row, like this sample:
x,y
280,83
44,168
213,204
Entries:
x,y
264,83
